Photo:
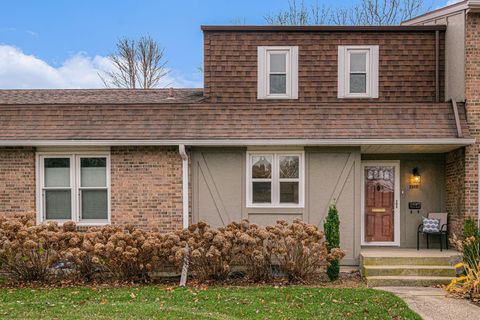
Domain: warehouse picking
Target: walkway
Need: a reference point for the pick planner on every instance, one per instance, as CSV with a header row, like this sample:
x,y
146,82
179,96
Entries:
x,y
432,304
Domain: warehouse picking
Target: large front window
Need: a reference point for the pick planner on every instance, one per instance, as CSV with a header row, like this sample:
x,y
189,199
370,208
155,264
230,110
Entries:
x,y
74,187
275,179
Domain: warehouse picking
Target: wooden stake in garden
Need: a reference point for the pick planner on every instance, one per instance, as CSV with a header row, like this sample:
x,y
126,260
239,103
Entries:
x,y
183,277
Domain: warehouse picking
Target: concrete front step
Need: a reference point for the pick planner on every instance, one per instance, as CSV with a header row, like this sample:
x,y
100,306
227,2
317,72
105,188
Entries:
x,y
406,281
402,261
408,270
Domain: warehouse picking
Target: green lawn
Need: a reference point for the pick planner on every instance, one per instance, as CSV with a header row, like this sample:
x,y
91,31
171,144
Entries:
x,y
160,302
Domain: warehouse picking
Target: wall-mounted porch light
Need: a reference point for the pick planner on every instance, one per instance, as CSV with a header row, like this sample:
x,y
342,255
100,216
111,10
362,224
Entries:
x,y
415,179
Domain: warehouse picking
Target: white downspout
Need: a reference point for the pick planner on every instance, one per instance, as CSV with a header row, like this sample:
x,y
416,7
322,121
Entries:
x,y
185,207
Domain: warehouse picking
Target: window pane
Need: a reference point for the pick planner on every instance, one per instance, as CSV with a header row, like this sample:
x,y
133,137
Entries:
x,y
93,172
358,62
278,83
261,167
278,62
57,172
358,83
288,192
94,204
289,167
261,192
58,204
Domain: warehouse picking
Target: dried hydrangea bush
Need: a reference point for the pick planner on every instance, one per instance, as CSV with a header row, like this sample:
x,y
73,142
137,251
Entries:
x,y
48,252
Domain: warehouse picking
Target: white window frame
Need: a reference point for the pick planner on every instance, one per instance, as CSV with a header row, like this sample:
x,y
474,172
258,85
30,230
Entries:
x,y
264,72
275,180
372,65
75,187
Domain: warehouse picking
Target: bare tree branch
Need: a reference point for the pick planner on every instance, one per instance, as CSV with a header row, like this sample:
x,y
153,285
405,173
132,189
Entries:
x,y
136,64
365,12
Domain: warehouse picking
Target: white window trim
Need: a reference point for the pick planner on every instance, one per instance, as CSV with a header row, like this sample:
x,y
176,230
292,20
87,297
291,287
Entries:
x,y
291,72
344,71
74,178
276,180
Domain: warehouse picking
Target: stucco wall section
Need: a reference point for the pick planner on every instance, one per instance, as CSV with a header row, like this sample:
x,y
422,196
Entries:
x,y
331,174
17,180
146,187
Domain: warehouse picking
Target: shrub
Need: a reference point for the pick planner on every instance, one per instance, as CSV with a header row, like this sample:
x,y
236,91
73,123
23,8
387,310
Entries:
x,y
251,251
332,236
47,252
468,284
28,253
470,249
210,251
300,250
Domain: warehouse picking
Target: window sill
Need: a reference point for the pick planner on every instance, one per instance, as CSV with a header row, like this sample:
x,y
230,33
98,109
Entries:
x,y
277,98
358,97
98,223
275,207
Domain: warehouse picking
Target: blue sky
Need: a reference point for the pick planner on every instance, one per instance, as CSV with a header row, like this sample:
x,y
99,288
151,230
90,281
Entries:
x,y
61,39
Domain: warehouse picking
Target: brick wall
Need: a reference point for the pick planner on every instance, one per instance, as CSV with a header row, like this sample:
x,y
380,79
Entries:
x,y
455,189
17,180
406,71
146,187
472,95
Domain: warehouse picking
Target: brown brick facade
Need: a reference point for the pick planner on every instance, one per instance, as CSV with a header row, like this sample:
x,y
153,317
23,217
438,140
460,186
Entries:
x,y
472,95
146,187
455,189
406,70
17,180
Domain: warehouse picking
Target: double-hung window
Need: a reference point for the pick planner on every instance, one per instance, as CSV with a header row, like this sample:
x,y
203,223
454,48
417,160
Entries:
x,y
74,187
275,179
277,72
358,71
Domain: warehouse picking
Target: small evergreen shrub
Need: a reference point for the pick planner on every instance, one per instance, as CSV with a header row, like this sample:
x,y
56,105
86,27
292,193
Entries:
x,y
331,228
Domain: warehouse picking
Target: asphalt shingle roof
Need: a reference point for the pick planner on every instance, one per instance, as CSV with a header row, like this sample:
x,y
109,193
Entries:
x,y
147,115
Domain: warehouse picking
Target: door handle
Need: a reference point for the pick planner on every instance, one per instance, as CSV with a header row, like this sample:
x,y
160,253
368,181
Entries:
x,y
396,204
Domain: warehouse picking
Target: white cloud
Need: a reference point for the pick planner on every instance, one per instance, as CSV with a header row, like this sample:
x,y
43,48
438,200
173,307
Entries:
x,y
21,71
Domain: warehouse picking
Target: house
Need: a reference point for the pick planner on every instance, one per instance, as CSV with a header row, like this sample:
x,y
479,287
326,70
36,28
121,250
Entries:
x,y
290,120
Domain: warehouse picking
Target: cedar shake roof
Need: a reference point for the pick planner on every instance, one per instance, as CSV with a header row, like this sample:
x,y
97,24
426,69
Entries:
x,y
64,117
104,96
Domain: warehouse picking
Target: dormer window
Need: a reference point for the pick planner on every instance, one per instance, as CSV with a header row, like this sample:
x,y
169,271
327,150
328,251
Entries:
x,y
277,72
358,72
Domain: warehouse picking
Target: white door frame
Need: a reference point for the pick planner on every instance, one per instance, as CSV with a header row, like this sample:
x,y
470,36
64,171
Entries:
x,y
396,211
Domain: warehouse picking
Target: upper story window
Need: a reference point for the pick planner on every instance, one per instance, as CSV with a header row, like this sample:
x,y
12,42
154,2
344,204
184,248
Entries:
x,y
358,72
275,179
74,187
277,72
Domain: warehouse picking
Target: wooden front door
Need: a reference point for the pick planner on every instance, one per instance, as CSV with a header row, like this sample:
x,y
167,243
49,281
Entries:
x,y
379,203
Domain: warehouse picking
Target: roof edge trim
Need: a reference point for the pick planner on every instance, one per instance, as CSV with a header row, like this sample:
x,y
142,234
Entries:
x,y
266,28
239,142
